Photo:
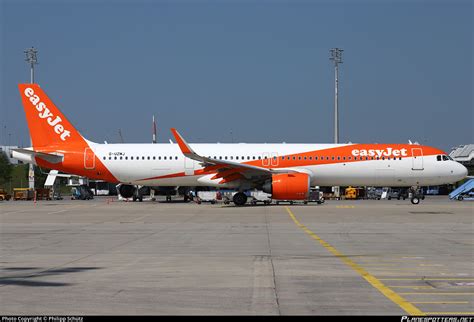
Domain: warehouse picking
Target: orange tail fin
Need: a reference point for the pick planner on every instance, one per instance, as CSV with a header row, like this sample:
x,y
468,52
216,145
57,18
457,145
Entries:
x,y
48,126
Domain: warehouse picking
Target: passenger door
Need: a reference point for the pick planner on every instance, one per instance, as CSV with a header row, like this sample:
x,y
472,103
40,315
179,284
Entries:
x,y
417,159
89,159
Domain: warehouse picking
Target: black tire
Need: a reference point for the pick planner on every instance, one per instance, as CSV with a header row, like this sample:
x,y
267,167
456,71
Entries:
x,y
415,200
460,198
239,199
389,198
213,202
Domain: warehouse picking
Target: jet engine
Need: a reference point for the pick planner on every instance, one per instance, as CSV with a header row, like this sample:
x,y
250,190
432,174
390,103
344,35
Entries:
x,y
288,186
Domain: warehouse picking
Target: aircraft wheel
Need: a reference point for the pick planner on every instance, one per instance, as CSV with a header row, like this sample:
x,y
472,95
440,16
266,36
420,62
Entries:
x,y
415,200
240,199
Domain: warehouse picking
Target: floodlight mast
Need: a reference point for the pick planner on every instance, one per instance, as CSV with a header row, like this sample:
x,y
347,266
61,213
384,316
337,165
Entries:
x,y
336,57
32,59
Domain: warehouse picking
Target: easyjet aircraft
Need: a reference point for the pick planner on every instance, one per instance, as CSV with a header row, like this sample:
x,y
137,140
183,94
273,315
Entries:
x,y
287,171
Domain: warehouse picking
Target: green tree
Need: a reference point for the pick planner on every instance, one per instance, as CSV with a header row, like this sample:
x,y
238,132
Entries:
x,y
6,169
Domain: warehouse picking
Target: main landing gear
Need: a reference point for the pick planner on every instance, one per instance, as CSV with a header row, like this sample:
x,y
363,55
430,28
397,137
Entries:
x,y
239,199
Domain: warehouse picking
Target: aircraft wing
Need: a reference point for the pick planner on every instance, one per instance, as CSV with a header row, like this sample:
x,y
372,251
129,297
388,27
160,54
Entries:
x,y
228,170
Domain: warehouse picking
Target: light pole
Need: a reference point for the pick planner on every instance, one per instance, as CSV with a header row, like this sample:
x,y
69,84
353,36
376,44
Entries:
x,y
336,57
32,60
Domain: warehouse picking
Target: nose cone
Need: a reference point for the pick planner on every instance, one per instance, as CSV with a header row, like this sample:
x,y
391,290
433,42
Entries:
x,y
460,171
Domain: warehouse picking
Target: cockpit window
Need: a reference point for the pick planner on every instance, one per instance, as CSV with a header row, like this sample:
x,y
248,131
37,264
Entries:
x,y
438,158
445,158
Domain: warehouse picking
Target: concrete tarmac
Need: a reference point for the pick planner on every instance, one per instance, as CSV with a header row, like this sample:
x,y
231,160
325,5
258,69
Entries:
x,y
342,257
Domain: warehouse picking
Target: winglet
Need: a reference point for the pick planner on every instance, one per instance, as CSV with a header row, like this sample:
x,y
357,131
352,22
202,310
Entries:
x,y
183,145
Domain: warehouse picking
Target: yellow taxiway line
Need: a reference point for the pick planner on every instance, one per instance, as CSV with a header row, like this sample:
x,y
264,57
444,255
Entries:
x,y
372,280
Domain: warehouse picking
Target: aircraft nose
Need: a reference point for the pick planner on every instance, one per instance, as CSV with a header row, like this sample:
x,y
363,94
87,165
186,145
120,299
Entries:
x,y
460,171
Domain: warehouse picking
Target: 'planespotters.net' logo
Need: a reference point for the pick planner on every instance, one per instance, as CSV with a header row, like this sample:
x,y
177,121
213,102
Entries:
x,y
45,113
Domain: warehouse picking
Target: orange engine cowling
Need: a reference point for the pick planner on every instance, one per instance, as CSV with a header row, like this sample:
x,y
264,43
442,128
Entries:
x,y
288,186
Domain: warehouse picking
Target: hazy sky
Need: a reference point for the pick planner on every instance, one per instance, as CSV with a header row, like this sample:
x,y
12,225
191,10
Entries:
x,y
247,71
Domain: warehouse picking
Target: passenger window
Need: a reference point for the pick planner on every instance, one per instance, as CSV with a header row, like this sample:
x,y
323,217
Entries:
x,y
259,157
164,158
236,157
148,158
115,158
176,158
131,158
338,158
333,158
126,158
316,158
311,158
299,158
294,158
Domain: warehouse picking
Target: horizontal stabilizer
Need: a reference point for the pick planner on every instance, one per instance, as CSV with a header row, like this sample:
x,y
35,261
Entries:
x,y
48,157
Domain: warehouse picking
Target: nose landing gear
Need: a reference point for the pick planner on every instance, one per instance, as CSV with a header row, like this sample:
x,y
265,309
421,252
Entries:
x,y
415,195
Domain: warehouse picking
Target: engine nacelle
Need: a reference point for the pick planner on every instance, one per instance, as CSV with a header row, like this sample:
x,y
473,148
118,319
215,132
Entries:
x,y
288,186
126,190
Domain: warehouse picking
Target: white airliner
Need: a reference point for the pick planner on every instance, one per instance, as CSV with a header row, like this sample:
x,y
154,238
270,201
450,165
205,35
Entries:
x,y
287,171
